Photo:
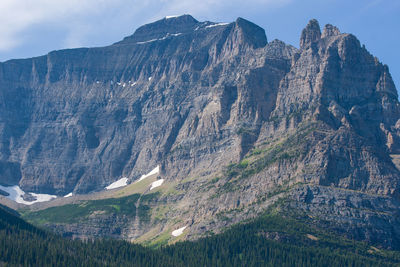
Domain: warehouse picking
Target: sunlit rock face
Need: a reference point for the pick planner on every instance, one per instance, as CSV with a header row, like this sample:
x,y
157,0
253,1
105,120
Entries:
x,y
194,97
79,119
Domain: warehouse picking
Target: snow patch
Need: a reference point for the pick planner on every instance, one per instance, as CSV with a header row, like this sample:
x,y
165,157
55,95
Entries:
x,y
174,34
312,237
120,183
173,16
156,170
217,24
42,197
16,194
149,41
68,195
156,184
179,231
160,39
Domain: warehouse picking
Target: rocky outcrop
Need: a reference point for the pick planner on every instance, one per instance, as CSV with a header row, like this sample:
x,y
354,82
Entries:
x,y
234,122
359,216
310,34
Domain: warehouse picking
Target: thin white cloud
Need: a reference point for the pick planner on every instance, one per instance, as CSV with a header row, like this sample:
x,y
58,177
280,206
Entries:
x,y
81,17
18,15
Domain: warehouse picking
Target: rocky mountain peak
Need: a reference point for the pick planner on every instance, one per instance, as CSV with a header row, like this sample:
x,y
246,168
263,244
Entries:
x,y
252,33
310,34
228,119
158,29
330,30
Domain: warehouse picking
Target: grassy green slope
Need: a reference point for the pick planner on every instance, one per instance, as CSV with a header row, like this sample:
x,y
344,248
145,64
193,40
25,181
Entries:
x,y
72,213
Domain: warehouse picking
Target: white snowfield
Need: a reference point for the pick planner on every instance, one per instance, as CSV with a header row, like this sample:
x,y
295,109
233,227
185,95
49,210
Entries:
x,y
16,194
120,183
156,170
217,24
68,195
179,231
156,184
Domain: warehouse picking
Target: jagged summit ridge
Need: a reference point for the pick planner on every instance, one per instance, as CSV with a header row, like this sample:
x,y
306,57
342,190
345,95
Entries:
x,y
186,25
162,27
330,30
310,34
255,34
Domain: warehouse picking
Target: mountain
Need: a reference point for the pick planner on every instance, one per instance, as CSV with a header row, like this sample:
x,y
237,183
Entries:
x,y
77,120
235,123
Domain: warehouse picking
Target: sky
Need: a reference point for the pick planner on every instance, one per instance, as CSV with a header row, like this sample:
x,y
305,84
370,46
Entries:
x,y
35,27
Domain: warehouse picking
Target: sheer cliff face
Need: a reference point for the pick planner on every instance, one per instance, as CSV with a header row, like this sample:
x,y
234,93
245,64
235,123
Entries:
x,y
178,91
195,96
80,119
233,121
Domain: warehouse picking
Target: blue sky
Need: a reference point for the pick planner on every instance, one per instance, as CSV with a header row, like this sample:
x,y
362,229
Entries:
x,y
35,27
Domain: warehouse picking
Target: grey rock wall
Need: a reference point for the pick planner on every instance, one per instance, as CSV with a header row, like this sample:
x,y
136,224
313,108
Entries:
x,y
194,97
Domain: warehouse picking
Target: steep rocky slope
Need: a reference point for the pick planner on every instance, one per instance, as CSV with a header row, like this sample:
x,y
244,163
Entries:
x,y
236,124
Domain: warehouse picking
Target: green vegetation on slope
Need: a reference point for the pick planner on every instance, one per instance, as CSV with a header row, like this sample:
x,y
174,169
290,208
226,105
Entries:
x,y
290,147
73,213
273,240
21,244
270,240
